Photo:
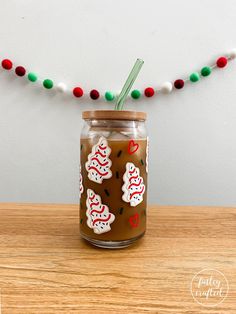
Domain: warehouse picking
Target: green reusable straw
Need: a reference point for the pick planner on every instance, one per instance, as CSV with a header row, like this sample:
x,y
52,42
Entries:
x,y
128,84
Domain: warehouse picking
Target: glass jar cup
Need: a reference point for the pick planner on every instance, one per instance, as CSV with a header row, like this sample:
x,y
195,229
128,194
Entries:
x,y
113,178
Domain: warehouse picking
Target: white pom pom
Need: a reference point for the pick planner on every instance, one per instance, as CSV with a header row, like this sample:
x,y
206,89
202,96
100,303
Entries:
x,y
232,54
61,87
166,88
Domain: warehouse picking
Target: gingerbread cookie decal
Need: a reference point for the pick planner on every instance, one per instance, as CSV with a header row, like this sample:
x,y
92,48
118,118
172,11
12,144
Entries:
x,y
98,216
99,164
133,186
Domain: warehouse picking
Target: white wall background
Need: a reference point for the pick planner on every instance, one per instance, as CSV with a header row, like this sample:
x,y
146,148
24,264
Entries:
x,y
94,44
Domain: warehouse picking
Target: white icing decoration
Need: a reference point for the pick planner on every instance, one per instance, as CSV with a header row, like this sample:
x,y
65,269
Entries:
x,y
99,217
133,186
99,164
81,187
147,154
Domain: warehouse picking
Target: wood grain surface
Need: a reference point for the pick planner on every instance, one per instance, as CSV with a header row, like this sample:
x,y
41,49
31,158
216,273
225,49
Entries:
x,y
46,268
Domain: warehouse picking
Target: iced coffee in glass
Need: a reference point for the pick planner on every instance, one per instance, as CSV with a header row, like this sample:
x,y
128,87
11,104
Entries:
x,y
113,178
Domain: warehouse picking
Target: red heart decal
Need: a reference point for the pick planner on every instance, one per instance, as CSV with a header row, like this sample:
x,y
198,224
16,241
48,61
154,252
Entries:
x,y
133,147
134,220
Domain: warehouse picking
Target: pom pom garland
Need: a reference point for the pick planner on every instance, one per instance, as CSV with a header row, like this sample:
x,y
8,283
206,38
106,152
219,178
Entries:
x,y
178,84
78,92
205,71
94,94
61,87
194,77
7,64
48,84
232,54
32,77
221,62
149,92
136,94
166,88
109,96
20,71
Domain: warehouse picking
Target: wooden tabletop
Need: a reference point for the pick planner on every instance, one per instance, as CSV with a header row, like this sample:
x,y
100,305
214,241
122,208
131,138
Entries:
x,y
46,268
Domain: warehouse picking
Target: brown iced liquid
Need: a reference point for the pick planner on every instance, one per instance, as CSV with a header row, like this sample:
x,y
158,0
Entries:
x,y
130,222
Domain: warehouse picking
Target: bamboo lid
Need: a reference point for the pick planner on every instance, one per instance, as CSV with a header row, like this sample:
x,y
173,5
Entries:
x,y
114,115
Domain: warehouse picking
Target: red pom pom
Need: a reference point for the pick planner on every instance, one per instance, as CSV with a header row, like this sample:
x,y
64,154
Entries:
x,y
221,62
20,71
94,94
178,84
149,92
6,64
78,92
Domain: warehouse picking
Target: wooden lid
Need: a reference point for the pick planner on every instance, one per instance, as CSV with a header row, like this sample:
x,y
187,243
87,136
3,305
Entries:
x,y
114,115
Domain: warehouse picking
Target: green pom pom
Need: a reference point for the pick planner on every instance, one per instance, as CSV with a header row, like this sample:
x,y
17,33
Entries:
x,y
32,77
194,77
135,94
205,71
109,96
48,83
